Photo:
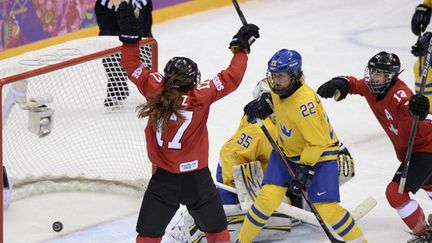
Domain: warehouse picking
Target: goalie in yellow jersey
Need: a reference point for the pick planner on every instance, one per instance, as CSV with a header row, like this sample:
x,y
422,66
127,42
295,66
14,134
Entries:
x,y
308,140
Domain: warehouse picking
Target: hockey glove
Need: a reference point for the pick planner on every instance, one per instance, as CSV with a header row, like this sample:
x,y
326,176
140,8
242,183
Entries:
x,y
420,19
421,46
302,179
419,106
259,108
139,3
328,89
130,21
244,38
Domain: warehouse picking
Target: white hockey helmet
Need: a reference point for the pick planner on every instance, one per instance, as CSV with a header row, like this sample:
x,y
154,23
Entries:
x,y
261,87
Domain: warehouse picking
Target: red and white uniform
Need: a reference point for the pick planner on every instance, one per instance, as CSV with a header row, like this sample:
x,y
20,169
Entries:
x,y
182,147
393,114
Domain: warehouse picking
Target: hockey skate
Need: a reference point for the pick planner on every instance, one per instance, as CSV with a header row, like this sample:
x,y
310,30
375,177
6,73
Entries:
x,y
426,237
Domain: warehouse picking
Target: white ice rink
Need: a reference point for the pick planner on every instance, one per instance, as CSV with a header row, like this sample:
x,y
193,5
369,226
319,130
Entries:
x,y
334,37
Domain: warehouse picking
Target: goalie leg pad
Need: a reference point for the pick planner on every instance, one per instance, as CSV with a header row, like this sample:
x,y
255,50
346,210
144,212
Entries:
x,y
341,221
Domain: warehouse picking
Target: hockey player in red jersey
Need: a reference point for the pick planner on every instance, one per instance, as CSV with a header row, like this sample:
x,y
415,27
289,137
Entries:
x,y
394,104
177,108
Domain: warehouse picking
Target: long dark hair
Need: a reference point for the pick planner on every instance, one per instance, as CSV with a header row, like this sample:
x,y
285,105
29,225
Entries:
x,y
160,108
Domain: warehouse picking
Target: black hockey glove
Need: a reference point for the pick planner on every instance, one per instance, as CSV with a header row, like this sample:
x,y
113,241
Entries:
x,y
421,46
130,21
244,38
328,89
419,106
259,108
420,19
302,179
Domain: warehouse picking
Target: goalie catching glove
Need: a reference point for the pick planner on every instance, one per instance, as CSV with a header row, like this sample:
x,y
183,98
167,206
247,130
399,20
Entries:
x,y
244,38
130,21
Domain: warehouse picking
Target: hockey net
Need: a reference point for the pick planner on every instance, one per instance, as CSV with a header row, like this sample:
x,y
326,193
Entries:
x,y
69,120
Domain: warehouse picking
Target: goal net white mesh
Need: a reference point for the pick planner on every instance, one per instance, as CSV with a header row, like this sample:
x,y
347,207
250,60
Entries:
x,y
94,139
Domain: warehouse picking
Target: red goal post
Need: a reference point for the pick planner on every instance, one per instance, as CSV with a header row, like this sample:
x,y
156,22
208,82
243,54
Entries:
x,y
58,131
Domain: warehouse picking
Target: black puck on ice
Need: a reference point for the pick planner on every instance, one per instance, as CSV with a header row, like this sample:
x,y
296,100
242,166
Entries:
x,y
57,226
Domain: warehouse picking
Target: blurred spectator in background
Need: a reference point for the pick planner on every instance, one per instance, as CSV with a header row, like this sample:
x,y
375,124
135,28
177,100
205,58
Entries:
x,y
105,10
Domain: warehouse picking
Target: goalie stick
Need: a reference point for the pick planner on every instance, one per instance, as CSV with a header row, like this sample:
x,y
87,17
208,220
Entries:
x,y
304,193
407,160
357,213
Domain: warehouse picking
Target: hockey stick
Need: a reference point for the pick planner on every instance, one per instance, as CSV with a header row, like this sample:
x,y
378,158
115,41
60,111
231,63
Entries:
x,y
303,191
357,213
407,160
239,12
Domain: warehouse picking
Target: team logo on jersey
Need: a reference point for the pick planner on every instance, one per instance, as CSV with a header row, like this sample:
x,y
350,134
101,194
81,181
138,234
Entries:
x,y
285,131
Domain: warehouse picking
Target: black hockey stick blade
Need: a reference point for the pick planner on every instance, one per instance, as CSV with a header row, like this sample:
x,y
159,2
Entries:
x,y
239,12
279,152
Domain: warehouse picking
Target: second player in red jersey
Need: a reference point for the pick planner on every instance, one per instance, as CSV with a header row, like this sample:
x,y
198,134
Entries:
x,y
394,106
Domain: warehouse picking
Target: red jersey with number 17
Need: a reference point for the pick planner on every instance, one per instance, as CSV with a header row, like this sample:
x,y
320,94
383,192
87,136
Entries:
x,y
182,147
393,114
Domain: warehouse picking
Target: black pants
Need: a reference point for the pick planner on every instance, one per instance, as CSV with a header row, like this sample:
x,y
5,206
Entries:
x,y
166,191
419,171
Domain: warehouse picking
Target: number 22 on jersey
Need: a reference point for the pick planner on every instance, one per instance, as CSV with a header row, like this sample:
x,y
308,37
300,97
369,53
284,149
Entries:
x,y
175,142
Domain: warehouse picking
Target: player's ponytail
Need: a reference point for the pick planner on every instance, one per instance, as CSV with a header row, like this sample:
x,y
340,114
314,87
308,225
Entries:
x,y
162,106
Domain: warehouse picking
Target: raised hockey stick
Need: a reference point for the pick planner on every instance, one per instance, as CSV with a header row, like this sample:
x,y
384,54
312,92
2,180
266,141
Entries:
x,y
407,160
239,12
304,193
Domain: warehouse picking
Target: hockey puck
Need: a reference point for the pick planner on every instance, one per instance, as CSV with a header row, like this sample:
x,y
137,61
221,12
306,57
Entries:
x,y
57,226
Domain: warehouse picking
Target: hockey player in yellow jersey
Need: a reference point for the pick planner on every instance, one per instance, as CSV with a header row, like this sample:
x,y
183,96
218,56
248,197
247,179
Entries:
x,y
308,140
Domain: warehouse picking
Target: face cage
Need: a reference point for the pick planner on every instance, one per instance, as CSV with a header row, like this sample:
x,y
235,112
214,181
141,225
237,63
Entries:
x,y
281,91
375,84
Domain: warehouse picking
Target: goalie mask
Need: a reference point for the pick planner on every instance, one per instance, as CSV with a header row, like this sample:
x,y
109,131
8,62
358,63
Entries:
x,y
284,72
182,73
381,71
260,88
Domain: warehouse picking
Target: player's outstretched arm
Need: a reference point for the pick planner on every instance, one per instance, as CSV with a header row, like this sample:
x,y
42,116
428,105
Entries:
x,y
337,87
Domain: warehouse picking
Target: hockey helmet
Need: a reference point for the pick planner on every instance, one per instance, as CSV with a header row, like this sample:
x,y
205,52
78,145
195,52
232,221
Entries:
x,y
182,73
382,69
281,63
